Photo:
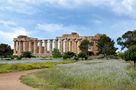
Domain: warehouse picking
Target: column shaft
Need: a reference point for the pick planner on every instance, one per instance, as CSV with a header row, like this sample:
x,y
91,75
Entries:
x,y
66,46
51,41
70,46
14,47
30,46
24,46
40,47
45,46
20,47
35,47
73,46
17,47
61,46
76,47
56,44
78,44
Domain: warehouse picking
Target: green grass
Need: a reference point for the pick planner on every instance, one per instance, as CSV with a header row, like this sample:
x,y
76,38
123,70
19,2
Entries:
x,y
5,68
109,75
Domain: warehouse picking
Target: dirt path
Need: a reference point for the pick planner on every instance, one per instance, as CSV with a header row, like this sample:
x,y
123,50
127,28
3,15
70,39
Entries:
x,y
10,81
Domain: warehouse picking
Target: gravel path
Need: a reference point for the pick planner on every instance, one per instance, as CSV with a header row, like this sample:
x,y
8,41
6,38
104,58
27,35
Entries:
x,y
10,81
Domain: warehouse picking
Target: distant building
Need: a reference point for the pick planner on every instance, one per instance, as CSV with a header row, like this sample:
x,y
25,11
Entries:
x,y
65,43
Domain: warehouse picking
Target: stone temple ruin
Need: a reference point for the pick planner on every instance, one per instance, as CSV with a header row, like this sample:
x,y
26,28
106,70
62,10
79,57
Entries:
x,y
65,43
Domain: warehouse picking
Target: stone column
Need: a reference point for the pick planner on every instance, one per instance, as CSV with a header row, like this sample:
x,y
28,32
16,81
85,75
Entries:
x,y
73,45
40,46
15,47
35,47
78,44
76,47
70,45
56,43
51,41
45,46
20,47
24,46
66,45
30,46
61,46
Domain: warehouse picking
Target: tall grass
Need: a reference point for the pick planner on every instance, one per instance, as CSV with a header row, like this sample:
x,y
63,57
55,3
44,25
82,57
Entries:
x,y
88,75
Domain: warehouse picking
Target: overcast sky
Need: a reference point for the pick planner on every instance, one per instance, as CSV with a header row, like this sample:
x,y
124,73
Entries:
x,y
51,18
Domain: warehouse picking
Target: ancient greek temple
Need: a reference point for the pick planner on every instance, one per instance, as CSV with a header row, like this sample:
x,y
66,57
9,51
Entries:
x,y
65,43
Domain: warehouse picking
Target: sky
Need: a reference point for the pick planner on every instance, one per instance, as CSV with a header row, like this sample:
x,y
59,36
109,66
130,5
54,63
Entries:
x,y
47,19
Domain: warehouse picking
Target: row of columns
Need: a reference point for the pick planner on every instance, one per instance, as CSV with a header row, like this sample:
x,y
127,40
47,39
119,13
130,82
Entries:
x,y
37,47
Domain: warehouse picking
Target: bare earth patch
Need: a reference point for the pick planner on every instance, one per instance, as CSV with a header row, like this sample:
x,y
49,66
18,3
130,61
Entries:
x,y
10,81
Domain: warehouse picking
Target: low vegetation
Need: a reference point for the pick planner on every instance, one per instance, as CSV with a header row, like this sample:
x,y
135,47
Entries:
x,y
27,54
56,53
85,75
69,55
130,54
4,68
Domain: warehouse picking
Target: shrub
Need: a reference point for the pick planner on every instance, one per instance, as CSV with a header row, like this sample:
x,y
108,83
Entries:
x,y
19,58
83,55
76,58
56,53
27,54
68,55
130,54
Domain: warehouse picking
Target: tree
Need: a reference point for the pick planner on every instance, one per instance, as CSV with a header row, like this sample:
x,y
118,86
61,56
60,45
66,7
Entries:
x,y
130,54
68,55
27,54
5,50
83,55
106,45
127,40
56,53
84,46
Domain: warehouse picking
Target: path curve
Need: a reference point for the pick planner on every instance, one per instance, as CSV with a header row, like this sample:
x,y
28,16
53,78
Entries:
x,y
10,81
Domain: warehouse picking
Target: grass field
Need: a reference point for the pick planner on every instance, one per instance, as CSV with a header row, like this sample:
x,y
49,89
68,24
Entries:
x,y
85,75
5,68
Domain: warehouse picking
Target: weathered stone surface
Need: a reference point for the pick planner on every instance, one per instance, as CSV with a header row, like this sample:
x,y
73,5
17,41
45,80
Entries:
x,y
65,43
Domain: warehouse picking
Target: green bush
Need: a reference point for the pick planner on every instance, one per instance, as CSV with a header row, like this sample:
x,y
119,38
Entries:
x,y
27,54
130,54
68,55
56,53
76,58
19,58
83,55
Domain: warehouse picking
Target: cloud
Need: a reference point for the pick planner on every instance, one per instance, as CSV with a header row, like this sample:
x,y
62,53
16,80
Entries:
x,y
121,7
50,28
29,7
7,23
7,37
17,6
